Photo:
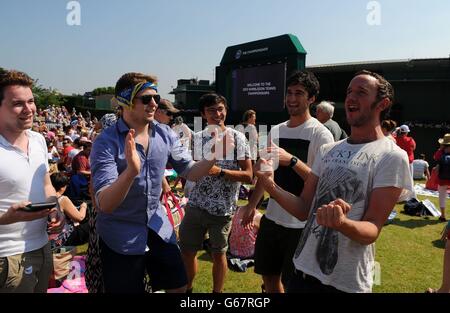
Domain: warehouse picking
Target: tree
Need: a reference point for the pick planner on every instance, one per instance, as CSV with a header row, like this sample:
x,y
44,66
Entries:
x,y
103,91
46,96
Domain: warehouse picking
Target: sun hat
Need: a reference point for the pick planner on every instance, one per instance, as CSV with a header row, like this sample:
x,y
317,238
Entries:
x,y
445,140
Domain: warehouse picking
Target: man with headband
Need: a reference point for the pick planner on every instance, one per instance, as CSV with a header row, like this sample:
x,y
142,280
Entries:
x,y
128,162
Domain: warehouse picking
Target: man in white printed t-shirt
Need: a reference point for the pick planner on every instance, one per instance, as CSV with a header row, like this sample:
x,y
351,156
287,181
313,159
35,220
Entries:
x,y
25,257
349,194
299,140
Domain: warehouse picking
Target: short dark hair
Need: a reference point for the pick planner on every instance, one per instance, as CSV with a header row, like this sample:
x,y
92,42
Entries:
x,y
76,142
129,80
247,114
385,90
389,125
84,144
48,142
307,79
211,99
11,78
59,180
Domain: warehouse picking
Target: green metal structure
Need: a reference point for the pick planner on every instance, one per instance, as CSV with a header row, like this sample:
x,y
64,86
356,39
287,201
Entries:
x,y
252,75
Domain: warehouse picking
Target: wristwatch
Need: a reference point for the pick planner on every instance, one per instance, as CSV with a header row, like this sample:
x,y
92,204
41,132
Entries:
x,y
222,173
293,161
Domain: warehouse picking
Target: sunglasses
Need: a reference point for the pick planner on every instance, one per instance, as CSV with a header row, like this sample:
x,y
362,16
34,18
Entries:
x,y
146,99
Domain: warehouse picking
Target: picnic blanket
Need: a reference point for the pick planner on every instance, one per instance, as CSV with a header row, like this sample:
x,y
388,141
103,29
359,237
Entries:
x,y
237,264
421,190
75,281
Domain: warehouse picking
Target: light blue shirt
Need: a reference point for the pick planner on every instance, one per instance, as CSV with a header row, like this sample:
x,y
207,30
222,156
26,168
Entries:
x,y
125,229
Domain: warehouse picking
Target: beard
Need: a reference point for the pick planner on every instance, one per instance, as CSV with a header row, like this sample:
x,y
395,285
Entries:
x,y
364,117
300,110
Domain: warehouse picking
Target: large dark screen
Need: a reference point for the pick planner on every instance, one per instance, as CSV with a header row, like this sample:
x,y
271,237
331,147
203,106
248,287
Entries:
x,y
260,88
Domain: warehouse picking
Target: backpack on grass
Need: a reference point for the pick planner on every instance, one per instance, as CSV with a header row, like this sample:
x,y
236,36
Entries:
x,y
415,207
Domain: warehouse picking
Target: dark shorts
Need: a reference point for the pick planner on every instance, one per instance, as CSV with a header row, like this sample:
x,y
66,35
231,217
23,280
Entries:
x,y
274,249
125,273
302,283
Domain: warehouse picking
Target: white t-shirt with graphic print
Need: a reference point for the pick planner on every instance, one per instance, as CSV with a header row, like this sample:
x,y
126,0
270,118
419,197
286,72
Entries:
x,y
350,172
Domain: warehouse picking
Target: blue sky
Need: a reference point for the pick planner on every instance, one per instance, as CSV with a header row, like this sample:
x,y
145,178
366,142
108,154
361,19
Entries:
x,y
175,39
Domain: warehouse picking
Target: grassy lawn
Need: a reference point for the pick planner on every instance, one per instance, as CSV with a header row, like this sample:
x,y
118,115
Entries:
x,y
247,282
408,251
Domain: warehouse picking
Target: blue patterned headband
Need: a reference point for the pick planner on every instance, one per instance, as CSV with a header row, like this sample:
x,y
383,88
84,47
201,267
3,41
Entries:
x,y
125,97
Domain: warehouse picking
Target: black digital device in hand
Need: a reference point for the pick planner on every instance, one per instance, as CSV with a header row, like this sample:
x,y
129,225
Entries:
x,y
35,207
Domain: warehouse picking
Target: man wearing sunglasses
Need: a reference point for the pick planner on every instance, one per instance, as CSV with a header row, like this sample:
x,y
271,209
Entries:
x,y
128,162
164,115
165,112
